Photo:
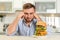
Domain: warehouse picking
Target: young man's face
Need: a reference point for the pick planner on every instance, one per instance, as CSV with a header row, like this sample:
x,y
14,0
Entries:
x,y
29,14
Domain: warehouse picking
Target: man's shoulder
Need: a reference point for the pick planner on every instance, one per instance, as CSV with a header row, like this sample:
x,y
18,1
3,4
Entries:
x,y
35,20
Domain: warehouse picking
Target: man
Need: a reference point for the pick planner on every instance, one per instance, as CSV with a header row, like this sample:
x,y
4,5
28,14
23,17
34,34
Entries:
x,y
25,22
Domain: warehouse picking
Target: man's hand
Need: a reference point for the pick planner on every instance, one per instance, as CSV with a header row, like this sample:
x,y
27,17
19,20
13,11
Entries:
x,y
37,17
20,15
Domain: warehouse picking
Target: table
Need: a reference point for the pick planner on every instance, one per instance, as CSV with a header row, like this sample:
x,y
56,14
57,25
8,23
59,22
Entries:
x,y
49,37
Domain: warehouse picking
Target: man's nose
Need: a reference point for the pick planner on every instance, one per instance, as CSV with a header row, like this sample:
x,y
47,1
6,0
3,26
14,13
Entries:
x,y
29,15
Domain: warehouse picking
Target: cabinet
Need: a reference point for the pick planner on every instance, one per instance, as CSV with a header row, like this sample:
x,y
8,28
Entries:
x,y
6,0
52,5
58,6
6,6
45,0
45,6
42,6
29,1
17,4
14,5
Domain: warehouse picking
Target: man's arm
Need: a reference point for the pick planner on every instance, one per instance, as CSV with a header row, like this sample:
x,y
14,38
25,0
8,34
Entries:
x,y
12,27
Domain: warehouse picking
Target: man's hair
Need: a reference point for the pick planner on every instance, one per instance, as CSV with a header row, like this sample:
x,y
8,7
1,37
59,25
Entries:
x,y
28,5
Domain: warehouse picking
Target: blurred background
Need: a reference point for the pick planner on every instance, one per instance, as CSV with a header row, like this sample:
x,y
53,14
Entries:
x,y
49,11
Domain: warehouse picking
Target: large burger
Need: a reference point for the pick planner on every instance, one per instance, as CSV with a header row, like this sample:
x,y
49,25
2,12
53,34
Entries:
x,y
40,28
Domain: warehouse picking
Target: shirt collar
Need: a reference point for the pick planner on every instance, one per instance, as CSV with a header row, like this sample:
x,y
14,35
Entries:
x,y
25,21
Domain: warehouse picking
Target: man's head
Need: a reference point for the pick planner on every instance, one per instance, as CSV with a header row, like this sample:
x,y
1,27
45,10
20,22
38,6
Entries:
x,y
29,10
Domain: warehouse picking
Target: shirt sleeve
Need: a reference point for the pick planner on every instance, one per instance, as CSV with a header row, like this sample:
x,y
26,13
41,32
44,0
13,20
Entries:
x,y
14,33
35,20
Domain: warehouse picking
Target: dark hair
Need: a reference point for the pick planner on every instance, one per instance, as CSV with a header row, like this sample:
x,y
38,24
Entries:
x,y
28,5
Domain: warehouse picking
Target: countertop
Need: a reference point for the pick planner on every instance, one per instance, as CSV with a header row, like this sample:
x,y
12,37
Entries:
x,y
48,37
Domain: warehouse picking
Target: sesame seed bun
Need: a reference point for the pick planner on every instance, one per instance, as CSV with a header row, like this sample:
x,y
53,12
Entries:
x,y
41,23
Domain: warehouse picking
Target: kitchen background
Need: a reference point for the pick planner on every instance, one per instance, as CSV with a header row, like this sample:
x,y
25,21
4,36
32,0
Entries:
x,y
49,11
